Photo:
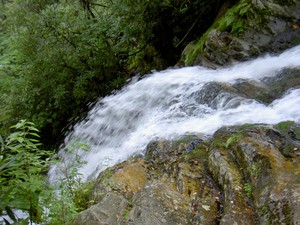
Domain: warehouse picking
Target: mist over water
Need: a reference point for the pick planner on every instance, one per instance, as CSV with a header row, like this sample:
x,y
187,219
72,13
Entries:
x,y
175,102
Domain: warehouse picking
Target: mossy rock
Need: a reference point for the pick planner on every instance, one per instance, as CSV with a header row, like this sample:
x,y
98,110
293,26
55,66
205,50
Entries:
x,y
246,30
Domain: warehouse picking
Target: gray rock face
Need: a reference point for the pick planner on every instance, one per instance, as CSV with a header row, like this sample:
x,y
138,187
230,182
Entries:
x,y
105,213
253,166
242,175
159,203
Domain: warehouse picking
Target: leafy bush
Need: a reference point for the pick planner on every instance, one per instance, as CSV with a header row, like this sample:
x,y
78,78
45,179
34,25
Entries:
x,y
22,165
24,185
61,56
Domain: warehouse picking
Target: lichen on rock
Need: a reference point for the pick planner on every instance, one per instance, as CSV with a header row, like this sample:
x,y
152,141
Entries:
x,y
242,175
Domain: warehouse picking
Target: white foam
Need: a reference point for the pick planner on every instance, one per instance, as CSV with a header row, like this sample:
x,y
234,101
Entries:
x,y
161,105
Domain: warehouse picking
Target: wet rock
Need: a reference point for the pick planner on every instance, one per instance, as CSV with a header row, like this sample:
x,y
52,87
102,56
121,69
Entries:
x,y
285,80
243,175
107,212
212,92
245,90
271,178
170,187
192,145
160,203
263,26
161,150
230,177
126,178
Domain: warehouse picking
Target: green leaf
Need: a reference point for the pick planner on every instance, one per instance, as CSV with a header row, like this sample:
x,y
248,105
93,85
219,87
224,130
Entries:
x,y
229,19
20,139
34,134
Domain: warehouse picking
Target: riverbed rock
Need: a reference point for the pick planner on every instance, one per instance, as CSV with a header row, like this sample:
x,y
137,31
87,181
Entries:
x,y
242,175
217,95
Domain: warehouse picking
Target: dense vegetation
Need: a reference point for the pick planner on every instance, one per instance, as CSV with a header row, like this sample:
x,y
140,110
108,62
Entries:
x,y
24,187
56,58
59,56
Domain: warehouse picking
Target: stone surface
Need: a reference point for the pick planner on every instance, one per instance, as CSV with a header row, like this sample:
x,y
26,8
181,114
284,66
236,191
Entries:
x,y
108,212
271,179
265,27
243,175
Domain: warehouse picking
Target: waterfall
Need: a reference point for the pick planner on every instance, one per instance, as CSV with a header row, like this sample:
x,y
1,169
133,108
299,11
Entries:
x,y
175,102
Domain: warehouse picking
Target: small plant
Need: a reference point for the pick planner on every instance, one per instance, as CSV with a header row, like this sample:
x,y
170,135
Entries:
x,y
71,193
248,189
232,140
23,186
255,169
125,214
234,19
22,168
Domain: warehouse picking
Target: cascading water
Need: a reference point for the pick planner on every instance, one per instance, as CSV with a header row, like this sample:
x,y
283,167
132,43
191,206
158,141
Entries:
x,y
174,102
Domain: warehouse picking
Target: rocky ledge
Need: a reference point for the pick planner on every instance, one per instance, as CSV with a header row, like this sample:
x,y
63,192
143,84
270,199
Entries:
x,y
246,174
248,29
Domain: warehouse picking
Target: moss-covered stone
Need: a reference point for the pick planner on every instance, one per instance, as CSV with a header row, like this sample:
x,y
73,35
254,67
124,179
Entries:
x,y
247,29
244,180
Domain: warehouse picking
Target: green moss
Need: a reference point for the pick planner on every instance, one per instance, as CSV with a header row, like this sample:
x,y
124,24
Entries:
x,y
233,139
287,126
198,153
185,139
284,126
106,174
197,49
234,21
264,97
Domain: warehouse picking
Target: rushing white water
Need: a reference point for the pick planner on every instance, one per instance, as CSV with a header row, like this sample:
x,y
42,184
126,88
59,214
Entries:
x,y
170,103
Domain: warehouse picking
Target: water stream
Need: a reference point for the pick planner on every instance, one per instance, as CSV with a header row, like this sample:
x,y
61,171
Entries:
x,y
174,102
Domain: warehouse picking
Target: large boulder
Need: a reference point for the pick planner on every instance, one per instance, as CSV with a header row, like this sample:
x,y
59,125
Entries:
x,y
243,175
248,29
258,166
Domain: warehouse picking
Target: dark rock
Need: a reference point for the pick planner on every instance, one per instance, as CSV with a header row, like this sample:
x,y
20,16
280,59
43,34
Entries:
x,y
192,145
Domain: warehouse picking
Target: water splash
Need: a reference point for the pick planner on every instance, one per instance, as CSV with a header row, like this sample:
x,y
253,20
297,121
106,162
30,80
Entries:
x,y
174,102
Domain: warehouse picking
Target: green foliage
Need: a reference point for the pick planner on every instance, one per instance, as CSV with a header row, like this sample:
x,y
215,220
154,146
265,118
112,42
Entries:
x,y
248,189
72,195
23,182
197,48
60,56
233,139
235,19
65,61
22,166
